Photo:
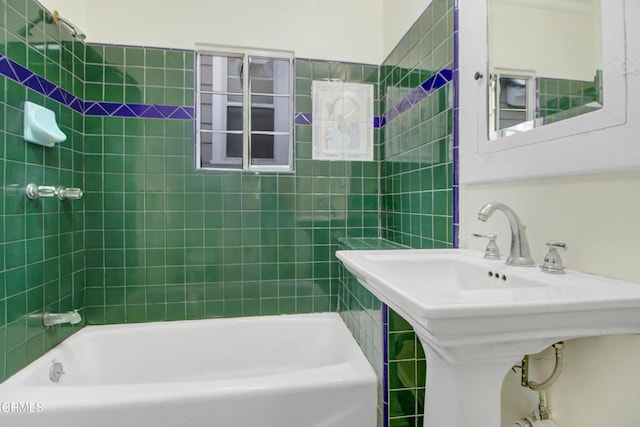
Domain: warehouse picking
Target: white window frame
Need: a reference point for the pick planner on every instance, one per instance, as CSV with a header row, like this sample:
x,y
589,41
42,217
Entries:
x,y
495,111
282,153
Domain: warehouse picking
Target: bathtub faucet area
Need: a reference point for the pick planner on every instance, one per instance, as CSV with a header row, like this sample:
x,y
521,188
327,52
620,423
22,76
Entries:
x,y
292,370
51,319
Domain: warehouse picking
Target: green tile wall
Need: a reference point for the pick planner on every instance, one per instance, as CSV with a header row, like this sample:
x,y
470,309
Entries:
x,y
139,75
362,311
407,368
562,99
416,181
417,167
153,239
41,241
163,241
166,242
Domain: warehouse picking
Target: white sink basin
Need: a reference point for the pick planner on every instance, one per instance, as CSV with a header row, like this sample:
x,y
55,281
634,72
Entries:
x,y
477,317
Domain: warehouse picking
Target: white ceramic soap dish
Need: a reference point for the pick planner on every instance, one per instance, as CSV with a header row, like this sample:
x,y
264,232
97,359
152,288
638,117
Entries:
x,y
40,126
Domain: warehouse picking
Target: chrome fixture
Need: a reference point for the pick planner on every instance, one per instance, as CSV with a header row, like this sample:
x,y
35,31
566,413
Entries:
x,y
75,31
35,191
51,319
552,261
519,254
535,386
491,251
51,18
56,371
64,193
543,412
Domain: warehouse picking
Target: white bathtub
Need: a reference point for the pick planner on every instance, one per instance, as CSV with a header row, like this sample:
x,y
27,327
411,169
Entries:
x,y
281,371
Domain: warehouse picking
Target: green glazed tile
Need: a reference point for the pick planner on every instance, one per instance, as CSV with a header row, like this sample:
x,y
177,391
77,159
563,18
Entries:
x,y
154,76
35,61
114,74
156,312
94,73
154,95
134,56
154,58
135,313
175,59
115,314
16,359
174,78
174,96
320,71
338,71
114,55
303,68
113,93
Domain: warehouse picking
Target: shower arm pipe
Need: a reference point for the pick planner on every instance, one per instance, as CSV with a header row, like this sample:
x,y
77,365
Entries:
x,y
75,31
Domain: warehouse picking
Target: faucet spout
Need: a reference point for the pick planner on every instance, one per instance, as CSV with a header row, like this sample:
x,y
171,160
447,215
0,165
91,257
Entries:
x,y
519,254
51,319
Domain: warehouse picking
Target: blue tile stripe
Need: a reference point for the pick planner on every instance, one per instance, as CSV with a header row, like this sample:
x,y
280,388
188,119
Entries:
x,y
28,78
455,238
432,84
385,364
303,119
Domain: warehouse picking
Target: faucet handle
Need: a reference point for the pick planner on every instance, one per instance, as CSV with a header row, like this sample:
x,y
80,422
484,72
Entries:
x,y
555,244
491,251
64,193
35,191
552,261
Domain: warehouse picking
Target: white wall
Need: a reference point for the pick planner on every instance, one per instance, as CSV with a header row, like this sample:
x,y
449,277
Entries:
x,y
73,10
542,42
599,217
397,20
354,31
319,29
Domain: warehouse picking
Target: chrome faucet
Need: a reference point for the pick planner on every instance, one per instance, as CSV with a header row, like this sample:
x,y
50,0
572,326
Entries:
x,y
520,254
51,319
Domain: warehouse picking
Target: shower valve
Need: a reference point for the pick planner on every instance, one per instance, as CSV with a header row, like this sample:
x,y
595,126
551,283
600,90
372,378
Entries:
x,y
35,191
68,193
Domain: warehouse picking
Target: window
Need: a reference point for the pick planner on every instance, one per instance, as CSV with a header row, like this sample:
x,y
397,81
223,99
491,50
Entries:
x,y
245,114
512,105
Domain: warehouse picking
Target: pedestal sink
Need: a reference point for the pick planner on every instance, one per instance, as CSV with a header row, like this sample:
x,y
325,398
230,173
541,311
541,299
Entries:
x,y
476,318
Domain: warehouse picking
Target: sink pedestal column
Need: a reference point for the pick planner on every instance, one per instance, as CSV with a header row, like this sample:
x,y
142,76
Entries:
x,y
464,393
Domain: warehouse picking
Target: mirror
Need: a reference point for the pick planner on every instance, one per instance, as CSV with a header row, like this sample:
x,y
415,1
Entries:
x,y
604,139
545,63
